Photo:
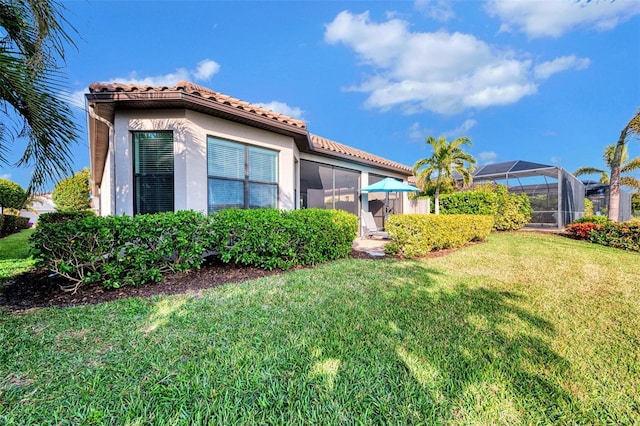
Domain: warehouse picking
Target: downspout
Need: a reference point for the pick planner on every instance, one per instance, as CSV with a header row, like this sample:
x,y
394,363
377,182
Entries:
x,y
112,163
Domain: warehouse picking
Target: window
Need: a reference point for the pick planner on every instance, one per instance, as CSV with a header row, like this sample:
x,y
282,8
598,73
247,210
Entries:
x,y
241,176
328,187
153,172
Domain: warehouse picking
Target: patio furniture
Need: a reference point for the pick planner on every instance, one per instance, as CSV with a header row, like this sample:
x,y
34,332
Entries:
x,y
369,227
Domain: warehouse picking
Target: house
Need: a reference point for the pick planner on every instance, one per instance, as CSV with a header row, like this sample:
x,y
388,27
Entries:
x,y
155,149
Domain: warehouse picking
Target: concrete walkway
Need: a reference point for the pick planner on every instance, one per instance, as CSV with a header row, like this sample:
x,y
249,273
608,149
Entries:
x,y
372,246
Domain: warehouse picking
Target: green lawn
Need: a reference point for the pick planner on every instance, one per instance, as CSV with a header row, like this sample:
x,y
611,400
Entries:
x,y
524,329
14,254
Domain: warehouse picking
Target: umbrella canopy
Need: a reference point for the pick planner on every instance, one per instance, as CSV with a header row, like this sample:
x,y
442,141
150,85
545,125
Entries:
x,y
389,185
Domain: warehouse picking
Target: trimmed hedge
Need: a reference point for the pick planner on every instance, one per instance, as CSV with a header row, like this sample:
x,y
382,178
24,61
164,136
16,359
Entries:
x,y
510,211
10,224
270,239
124,250
416,235
59,217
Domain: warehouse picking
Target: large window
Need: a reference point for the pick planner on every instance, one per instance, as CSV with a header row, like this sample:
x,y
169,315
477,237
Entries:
x,y
328,187
153,172
241,176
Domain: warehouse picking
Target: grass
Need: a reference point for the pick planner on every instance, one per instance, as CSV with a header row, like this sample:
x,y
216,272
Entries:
x,y
524,329
14,254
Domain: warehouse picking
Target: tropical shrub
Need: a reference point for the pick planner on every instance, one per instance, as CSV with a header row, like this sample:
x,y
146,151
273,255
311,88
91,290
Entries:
x,y
416,235
600,220
513,210
72,193
269,238
588,208
582,230
624,235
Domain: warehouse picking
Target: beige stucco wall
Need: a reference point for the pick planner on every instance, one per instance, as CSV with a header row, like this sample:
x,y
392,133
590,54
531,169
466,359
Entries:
x,y
190,131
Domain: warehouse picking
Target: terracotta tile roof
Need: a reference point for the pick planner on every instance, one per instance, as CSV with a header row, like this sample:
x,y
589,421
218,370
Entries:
x,y
323,144
203,92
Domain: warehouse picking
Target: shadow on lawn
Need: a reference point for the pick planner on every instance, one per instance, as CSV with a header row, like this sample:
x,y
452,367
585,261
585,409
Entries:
x,y
476,350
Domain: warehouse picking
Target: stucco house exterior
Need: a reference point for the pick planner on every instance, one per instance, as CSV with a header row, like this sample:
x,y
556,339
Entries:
x,y
155,149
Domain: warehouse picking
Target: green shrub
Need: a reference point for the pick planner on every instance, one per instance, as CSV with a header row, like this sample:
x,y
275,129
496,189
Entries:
x,y
588,208
416,235
510,211
600,220
469,202
12,196
72,193
624,235
270,238
10,224
59,217
122,250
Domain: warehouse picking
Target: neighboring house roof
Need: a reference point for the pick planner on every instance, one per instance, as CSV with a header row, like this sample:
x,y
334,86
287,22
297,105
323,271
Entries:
x,y
105,98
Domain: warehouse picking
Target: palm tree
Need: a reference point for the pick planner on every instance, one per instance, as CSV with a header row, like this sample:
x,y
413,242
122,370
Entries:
x,y
626,166
632,128
31,47
447,158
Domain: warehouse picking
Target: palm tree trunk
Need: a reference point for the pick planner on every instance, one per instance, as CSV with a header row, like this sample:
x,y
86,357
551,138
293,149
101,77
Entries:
x,y
437,199
614,185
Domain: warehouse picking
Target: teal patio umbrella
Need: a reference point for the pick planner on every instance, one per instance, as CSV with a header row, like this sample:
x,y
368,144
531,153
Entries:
x,y
389,185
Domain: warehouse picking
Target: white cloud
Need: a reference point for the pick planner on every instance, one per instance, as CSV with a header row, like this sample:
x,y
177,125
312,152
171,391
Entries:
x,y
439,10
283,108
206,69
554,18
555,160
487,157
441,72
203,71
461,130
6,176
417,133
547,69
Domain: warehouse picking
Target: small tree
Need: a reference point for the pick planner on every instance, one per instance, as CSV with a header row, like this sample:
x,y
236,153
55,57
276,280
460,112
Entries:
x,y
631,129
72,193
447,158
12,196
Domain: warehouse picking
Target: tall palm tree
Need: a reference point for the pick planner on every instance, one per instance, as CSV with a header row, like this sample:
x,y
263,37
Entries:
x,y
631,129
31,49
626,166
447,158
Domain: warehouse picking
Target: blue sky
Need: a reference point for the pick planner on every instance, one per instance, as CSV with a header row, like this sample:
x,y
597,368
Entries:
x,y
548,81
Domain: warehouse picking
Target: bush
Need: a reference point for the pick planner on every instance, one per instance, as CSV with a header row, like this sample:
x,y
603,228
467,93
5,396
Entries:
x,y
588,208
582,230
624,235
469,202
600,220
122,250
269,238
60,217
416,235
10,224
510,211
12,196
72,193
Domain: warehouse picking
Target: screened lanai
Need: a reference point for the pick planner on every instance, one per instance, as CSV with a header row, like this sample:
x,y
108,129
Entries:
x,y
557,197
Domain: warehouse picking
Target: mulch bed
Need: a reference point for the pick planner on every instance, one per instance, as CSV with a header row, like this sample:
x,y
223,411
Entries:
x,y
38,289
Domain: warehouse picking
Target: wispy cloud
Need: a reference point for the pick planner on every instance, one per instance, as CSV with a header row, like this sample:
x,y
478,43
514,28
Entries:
x,y
461,130
554,18
283,108
439,10
547,69
469,73
203,71
487,157
6,176
555,160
